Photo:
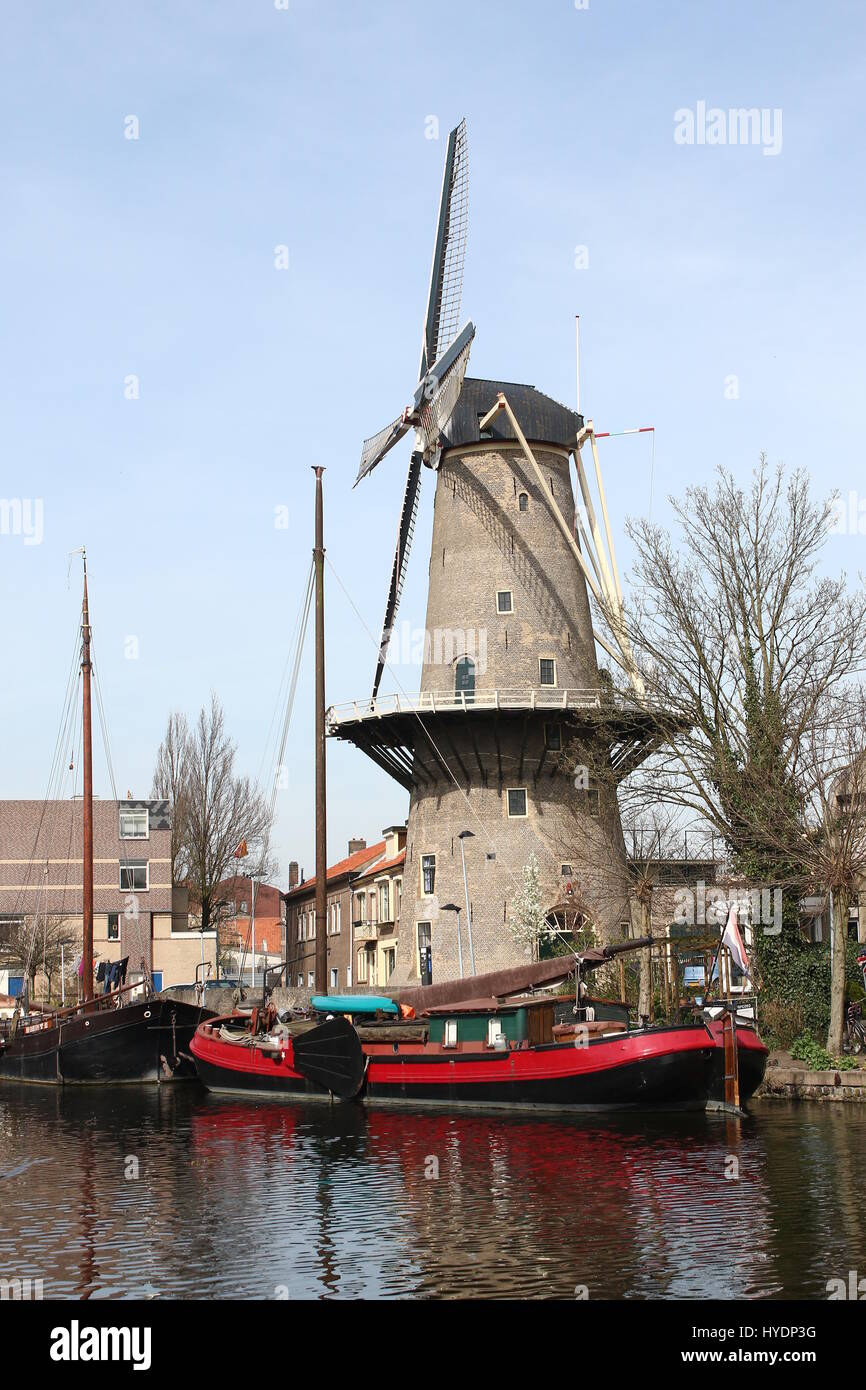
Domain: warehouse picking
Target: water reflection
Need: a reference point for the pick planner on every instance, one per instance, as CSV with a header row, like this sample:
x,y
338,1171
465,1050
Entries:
x,y
237,1199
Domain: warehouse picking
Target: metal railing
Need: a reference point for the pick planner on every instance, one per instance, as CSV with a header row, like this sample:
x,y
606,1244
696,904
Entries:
x,y
504,698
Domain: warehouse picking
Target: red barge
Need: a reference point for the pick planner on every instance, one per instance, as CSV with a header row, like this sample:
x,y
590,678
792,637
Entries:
x,y
505,1052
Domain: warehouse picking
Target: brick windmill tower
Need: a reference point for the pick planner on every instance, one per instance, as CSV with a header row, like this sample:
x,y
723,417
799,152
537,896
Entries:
x,y
510,678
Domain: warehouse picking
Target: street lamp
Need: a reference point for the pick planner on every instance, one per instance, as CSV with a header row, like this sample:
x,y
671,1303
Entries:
x,y
467,835
452,907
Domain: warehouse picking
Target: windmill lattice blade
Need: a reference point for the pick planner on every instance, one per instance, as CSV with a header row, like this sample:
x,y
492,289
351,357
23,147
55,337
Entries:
x,y
376,447
437,411
449,251
405,533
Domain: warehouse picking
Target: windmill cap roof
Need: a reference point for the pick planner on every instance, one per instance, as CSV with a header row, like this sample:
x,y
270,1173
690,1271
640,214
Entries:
x,y
542,419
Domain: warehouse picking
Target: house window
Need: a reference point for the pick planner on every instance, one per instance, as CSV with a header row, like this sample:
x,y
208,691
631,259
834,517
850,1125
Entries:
x,y
334,979
425,952
300,982
362,967
516,802
449,1037
361,907
134,823
592,801
505,601
133,876
553,737
428,873
371,965
385,902
523,502
464,678
338,918
390,960
398,897
114,926
547,671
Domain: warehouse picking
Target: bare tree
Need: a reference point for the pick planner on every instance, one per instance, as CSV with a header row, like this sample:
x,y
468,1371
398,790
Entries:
x,y
221,810
740,641
170,784
821,830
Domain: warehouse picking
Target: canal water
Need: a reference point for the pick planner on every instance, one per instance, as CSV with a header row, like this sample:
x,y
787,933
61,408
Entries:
x,y
166,1192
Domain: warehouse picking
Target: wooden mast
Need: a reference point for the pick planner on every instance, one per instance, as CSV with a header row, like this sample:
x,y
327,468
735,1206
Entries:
x,y
87,803
321,974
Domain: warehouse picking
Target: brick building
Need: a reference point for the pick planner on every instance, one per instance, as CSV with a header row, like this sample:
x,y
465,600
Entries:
x,y
301,919
237,916
136,911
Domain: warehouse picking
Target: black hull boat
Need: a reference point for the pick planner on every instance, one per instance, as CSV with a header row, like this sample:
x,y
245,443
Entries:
x,y
145,1041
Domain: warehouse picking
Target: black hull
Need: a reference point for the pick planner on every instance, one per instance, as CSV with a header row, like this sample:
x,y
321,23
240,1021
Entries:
x,y
751,1065
143,1042
677,1081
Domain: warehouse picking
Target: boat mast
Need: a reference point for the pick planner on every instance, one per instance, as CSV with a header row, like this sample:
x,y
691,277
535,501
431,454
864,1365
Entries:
x,y
321,975
87,803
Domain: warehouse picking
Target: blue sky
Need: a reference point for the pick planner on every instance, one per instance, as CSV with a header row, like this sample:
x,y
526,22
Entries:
x,y
307,128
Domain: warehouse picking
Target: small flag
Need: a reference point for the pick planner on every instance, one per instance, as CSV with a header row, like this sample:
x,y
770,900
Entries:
x,y
733,940
241,851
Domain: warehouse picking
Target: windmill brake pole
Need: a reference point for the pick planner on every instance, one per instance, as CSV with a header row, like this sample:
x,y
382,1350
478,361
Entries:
x,y
625,659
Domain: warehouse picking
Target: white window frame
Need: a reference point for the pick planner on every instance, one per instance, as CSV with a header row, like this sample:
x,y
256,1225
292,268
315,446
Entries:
x,y
505,593
425,922
494,1030
133,811
547,685
449,1032
516,815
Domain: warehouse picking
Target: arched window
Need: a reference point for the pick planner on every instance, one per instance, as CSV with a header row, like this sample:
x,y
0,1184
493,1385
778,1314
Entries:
x,y
464,678
523,501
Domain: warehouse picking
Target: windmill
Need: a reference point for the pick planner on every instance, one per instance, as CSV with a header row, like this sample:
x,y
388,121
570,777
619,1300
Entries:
x,y
515,742
444,357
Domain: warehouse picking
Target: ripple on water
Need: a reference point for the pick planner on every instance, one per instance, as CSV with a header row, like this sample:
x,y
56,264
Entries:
x,y
166,1192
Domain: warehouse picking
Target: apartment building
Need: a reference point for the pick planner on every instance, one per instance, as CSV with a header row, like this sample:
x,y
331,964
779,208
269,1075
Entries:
x,y
377,896
352,946
41,886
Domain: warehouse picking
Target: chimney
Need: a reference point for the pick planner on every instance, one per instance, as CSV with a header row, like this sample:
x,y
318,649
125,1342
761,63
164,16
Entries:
x,y
355,845
293,874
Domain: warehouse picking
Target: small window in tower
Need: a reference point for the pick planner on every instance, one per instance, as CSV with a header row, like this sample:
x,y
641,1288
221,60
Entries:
x,y
592,801
516,802
566,871
553,737
547,671
505,601
523,502
428,873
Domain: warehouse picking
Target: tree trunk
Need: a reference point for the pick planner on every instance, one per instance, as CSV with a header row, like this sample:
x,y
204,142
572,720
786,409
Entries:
x,y
837,972
644,1006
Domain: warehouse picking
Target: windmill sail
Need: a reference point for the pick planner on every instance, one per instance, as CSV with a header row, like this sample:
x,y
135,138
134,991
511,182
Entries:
x,y
405,531
449,251
376,447
444,356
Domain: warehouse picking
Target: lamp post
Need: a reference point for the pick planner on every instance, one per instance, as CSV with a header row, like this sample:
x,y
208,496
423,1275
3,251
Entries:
x,y
452,907
467,835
